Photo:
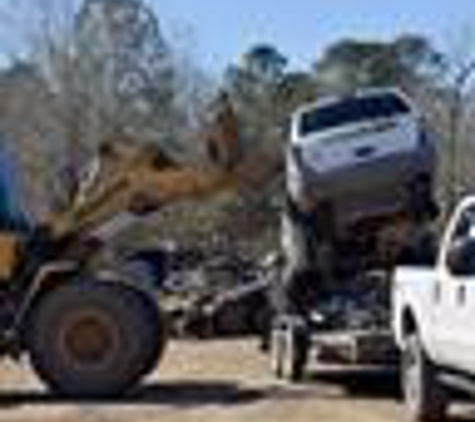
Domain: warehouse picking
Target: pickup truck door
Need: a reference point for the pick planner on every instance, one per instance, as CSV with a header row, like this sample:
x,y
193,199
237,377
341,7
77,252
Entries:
x,y
454,296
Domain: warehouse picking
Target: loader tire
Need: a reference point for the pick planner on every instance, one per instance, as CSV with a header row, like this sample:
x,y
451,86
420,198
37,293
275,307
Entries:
x,y
94,339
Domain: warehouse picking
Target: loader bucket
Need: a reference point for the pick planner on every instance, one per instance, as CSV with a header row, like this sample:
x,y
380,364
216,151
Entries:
x,y
222,137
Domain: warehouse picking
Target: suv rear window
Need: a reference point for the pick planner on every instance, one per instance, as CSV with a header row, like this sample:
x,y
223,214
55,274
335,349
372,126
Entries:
x,y
351,110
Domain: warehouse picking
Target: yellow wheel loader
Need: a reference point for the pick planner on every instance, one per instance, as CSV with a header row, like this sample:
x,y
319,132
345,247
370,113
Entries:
x,y
86,331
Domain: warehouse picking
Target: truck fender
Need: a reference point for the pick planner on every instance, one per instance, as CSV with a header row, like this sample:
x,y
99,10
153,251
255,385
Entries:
x,y
47,278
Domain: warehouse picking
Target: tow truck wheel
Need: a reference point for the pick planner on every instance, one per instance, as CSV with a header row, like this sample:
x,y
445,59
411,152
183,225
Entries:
x,y
276,351
289,348
424,396
94,339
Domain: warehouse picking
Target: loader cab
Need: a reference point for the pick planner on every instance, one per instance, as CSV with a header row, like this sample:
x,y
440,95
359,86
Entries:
x,y
13,216
14,223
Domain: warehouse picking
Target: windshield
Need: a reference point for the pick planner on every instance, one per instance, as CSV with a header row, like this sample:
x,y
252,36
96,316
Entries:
x,y
351,110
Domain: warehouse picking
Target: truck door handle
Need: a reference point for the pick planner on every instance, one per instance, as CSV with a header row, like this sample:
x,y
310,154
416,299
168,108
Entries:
x,y
461,294
365,151
437,292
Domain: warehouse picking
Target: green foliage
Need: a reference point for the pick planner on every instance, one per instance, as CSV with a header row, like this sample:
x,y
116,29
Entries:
x,y
405,61
265,63
264,93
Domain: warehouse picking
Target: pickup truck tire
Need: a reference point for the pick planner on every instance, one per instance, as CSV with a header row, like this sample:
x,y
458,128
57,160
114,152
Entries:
x,y
424,396
289,352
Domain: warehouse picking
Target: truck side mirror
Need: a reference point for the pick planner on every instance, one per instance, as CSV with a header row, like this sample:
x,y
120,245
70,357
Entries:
x,y
461,257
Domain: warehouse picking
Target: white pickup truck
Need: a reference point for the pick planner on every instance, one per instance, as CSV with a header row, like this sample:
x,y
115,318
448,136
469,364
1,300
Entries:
x,y
433,319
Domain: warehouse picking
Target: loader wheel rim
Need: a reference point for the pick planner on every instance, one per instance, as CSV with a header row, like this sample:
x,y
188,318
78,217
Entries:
x,y
88,338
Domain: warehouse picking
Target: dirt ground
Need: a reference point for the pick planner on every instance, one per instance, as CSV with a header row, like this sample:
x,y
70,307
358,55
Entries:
x,y
225,381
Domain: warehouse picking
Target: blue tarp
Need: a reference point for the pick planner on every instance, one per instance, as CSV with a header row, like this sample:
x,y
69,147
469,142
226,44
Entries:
x,y
12,213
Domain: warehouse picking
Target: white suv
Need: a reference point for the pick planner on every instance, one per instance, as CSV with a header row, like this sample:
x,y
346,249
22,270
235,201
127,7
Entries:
x,y
364,154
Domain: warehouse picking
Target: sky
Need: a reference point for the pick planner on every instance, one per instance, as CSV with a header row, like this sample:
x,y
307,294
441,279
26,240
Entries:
x,y
218,31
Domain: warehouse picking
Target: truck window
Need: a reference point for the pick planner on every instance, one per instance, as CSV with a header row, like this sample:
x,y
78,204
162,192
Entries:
x,y
465,225
461,257
461,248
351,110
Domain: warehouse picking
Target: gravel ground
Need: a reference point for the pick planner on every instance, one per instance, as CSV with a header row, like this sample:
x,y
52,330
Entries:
x,y
211,381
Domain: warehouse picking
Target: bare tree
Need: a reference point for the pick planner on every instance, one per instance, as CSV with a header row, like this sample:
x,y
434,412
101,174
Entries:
x,y
103,67
456,173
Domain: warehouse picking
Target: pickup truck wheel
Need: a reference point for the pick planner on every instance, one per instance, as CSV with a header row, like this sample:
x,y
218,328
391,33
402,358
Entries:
x,y
289,351
424,396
